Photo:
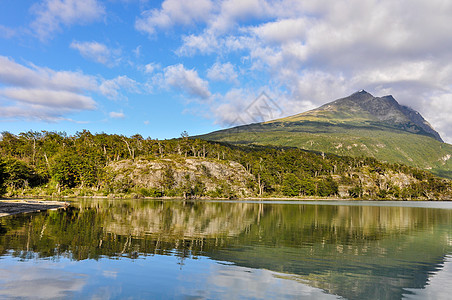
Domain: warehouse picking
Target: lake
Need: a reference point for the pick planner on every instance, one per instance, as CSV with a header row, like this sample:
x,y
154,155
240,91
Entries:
x,y
160,249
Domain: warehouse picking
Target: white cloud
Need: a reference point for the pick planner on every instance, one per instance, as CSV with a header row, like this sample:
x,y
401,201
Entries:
x,y
229,110
111,88
205,43
47,98
44,94
438,111
137,51
282,31
12,73
310,51
117,115
317,51
52,14
97,52
222,72
151,67
234,11
243,106
221,16
173,12
187,81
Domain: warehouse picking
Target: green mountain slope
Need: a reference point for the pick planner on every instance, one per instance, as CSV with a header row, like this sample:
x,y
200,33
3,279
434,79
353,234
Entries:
x,y
358,125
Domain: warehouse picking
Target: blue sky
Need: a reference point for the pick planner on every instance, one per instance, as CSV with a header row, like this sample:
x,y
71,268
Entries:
x,y
158,68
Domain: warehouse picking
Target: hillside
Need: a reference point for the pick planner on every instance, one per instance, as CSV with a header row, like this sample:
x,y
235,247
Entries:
x,y
54,164
358,125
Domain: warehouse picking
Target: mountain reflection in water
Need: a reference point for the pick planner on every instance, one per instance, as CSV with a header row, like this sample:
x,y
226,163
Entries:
x,y
353,251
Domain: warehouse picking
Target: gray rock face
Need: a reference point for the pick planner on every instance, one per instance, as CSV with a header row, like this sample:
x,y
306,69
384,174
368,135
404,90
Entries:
x,y
417,119
387,110
212,173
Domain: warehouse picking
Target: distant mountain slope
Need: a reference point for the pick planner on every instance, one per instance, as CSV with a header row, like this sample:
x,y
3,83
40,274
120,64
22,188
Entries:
x,y
363,107
358,125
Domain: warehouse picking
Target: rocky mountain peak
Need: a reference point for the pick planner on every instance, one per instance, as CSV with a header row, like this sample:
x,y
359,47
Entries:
x,y
386,109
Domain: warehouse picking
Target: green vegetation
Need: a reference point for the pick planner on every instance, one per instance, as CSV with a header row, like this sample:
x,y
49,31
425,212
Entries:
x,y
54,164
347,127
391,146
3,175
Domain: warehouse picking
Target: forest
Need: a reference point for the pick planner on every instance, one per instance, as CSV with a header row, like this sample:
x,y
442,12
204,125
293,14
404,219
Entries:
x,y
56,164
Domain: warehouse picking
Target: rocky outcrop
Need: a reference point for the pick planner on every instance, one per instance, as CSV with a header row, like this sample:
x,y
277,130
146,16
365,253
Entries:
x,y
180,172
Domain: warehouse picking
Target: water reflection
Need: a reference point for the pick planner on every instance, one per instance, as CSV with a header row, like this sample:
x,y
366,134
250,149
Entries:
x,y
357,252
435,288
39,282
152,278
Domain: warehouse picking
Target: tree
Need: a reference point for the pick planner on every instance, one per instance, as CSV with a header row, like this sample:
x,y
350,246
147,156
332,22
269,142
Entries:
x,y
20,174
291,185
2,177
167,180
81,161
307,186
64,169
184,135
71,169
356,191
327,187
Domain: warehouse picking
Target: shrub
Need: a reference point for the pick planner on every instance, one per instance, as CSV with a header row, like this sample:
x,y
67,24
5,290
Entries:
x,y
150,192
355,192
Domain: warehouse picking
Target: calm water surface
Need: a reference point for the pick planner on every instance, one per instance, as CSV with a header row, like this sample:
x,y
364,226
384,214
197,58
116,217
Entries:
x,y
153,249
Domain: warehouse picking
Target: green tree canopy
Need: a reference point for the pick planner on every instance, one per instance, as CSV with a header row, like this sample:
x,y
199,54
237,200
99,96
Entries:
x,y
2,177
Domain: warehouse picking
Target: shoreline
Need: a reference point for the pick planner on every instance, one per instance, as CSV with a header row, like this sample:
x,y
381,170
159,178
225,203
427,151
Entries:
x,y
10,207
62,199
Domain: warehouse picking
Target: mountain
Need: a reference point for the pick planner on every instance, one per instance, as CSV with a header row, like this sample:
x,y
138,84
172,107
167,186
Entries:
x,y
357,125
385,111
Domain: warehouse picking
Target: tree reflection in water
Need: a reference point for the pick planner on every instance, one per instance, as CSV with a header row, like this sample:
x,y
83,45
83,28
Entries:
x,y
352,251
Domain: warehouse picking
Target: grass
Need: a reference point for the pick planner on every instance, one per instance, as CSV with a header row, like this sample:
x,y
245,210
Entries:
x,y
354,137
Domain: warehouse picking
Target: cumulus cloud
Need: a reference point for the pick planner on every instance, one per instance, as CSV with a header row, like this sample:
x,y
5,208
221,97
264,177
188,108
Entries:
x,y
52,14
222,72
233,11
318,51
205,43
241,106
97,52
305,52
281,31
187,81
173,12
